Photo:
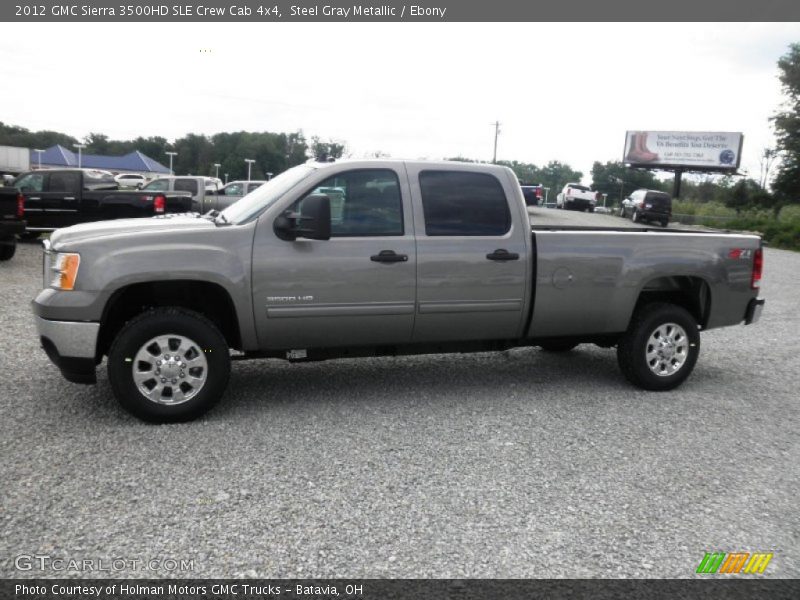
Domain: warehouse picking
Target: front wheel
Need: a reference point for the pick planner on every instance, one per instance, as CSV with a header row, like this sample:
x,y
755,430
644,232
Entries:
x,y
660,348
168,365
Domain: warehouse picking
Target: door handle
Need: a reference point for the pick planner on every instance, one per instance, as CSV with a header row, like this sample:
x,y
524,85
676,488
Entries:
x,y
69,197
502,254
389,256
34,198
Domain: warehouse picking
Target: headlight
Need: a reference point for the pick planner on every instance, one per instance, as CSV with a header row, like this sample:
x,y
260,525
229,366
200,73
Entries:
x,y
65,270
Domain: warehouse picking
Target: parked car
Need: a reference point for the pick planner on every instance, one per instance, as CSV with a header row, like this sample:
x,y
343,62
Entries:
x,y
61,197
647,205
131,180
12,211
575,196
425,257
533,194
204,190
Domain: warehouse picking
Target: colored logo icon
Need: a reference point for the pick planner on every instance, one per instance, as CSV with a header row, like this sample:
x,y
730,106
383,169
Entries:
x,y
734,562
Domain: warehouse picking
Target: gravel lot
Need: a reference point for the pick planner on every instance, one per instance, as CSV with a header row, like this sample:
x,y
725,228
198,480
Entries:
x,y
518,464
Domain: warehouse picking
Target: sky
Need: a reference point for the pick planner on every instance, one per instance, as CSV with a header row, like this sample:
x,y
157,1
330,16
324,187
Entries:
x,y
561,91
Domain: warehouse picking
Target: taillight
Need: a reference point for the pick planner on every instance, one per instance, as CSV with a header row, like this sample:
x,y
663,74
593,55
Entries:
x,y
758,267
20,206
538,192
598,196
159,204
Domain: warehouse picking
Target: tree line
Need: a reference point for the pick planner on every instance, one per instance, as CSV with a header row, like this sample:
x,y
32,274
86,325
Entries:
x,y
196,154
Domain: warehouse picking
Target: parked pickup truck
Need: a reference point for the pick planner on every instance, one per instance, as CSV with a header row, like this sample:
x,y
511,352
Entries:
x,y
418,257
233,192
575,196
62,197
204,190
12,205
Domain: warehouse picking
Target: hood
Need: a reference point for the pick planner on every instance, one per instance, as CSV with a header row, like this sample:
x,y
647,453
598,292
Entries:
x,y
125,227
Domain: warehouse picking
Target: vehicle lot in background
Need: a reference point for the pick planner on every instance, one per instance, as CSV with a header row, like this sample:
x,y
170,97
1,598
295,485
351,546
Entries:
x,y
235,190
486,465
575,196
647,205
532,194
130,180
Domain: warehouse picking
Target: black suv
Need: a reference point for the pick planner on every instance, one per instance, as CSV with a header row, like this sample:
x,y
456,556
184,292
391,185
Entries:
x,y
647,205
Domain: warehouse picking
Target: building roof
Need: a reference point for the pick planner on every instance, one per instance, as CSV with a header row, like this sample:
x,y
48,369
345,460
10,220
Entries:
x,y
134,161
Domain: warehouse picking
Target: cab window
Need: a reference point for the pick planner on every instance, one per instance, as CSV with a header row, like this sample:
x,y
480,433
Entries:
x,y
365,202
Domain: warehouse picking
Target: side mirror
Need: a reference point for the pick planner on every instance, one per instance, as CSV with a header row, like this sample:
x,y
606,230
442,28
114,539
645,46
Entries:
x,y
312,222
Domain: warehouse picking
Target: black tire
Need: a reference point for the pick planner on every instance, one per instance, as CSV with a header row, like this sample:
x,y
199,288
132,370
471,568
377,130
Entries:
x,y
204,342
622,212
636,354
664,223
8,248
636,217
591,209
558,346
30,235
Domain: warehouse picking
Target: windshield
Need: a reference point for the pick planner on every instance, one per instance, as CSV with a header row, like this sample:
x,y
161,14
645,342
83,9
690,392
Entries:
x,y
254,203
157,185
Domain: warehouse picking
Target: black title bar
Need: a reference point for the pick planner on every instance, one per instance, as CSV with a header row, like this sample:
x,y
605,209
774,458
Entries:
x,y
253,11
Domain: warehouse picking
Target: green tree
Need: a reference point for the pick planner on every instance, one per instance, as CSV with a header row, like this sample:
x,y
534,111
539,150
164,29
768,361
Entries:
x,y
618,181
787,128
323,151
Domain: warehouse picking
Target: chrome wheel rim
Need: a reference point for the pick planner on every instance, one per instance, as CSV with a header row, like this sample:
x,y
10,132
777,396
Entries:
x,y
170,369
667,349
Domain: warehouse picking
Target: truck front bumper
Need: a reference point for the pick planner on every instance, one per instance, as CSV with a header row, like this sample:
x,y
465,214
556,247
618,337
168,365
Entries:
x,y
72,346
753,312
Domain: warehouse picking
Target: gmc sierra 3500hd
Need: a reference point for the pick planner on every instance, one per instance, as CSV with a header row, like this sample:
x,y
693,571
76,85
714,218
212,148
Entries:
x,y
412,257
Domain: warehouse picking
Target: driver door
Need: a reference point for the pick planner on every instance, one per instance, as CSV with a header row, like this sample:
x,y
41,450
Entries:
x,y
357,288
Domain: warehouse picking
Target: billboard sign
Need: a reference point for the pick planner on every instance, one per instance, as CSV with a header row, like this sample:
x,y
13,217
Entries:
x,y
693,150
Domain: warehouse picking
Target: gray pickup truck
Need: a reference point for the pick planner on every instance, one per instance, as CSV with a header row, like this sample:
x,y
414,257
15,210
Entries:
x,y
405,257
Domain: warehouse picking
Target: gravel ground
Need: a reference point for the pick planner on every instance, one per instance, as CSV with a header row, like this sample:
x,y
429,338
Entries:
x,y
516,464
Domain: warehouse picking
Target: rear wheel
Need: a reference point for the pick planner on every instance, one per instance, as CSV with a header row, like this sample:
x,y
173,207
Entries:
x,y
168,365
636,217
664,222
8,248
660,348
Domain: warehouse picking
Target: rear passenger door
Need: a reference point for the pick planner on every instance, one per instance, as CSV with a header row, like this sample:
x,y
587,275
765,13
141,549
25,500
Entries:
x,y
61,198
472,255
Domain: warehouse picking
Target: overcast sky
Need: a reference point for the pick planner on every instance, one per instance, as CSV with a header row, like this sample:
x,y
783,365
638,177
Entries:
x,y
561,91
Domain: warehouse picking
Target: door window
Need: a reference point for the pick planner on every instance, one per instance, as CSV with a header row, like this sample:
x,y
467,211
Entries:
x,y
64,182
157,185
463,203
186,185
32,182
366,202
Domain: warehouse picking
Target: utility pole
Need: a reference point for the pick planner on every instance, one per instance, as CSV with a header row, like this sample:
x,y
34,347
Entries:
x,y
496,133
